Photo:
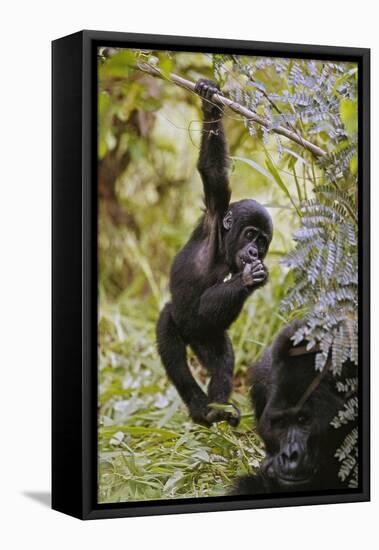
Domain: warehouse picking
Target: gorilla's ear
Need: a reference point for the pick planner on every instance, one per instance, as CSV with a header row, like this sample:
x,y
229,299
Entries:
x,y
227,222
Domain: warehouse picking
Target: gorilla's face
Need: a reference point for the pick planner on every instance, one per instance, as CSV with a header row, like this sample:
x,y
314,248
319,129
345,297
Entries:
x,y
294,406
293,441
252,245
297,435
248,233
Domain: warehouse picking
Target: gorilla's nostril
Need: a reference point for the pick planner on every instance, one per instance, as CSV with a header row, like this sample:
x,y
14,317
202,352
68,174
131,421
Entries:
x,y
294,457
284,458
253,253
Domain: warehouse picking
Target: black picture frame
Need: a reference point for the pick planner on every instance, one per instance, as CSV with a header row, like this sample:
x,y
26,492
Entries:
x,y
74,272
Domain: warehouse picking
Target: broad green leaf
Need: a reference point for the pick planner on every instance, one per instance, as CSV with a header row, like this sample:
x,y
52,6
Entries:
x,y
275,174
119,65
354,165
166,65
296,155
349,115
222,407
254,165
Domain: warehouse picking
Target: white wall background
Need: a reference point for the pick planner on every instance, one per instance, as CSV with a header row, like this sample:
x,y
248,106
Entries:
x,y
26,31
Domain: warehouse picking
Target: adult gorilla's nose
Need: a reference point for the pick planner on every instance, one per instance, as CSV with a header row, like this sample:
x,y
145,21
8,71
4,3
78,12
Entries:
x,y
290,457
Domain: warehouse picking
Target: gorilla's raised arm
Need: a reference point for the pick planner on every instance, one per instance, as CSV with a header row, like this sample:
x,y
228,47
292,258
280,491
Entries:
x,y
213,158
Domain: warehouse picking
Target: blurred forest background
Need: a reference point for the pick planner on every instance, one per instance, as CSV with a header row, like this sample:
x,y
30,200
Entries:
x,y
150,197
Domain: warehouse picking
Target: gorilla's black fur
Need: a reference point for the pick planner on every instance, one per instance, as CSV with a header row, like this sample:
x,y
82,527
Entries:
x,y
211,277
300,442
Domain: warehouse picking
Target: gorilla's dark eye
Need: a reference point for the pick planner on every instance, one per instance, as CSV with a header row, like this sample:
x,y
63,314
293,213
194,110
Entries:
x,y
302,418
278,422
251,234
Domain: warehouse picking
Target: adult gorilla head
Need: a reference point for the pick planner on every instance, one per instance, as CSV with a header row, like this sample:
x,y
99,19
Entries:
x,y
294,406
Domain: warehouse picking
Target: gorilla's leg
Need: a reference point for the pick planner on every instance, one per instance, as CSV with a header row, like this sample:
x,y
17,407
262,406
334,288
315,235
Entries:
x,y
217,357
172,350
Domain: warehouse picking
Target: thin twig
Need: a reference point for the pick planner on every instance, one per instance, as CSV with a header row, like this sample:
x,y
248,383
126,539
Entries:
x,y
237,108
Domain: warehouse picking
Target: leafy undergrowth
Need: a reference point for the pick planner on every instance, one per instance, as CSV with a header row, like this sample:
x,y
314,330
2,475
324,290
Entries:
x,y
148,446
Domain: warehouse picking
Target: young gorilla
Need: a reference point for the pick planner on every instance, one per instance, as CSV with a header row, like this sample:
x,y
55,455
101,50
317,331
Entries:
x,y
211,277
294,406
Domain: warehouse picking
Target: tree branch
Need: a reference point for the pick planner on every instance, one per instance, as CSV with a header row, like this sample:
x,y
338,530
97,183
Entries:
x,y
237,108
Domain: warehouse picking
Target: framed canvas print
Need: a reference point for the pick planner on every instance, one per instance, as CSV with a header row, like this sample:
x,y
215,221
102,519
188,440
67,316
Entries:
x,y
210,274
